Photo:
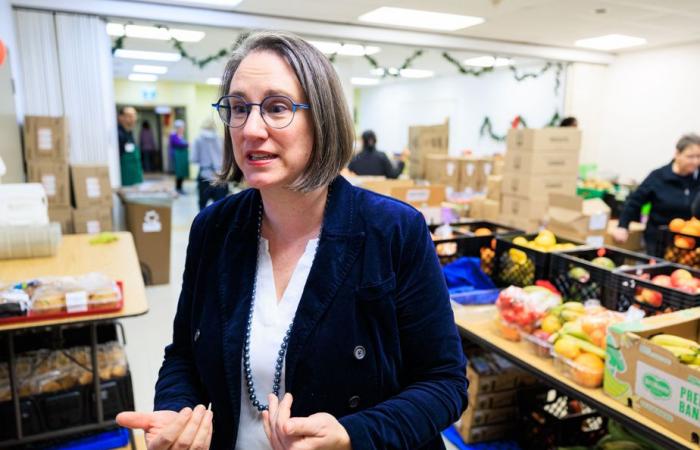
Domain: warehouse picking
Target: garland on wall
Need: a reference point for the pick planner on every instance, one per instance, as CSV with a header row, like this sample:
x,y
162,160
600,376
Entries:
x,y
487,127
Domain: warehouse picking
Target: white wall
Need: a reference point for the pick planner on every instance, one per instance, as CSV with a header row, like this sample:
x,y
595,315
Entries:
x,y
635,110
391,108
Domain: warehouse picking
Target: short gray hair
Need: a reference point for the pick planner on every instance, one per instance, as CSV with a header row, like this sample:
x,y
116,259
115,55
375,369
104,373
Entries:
x,y
686,141
332,125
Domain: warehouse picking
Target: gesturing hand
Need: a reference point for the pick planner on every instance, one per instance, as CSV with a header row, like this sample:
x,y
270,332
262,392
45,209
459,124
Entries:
x,y
188,429
319,431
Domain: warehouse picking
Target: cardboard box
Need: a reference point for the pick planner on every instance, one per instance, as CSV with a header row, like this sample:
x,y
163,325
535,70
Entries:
x,y
423,141
493,187
574,218
46,138
420,196
384,187
521,223
487,433
491,210
473,173
649,378
499,164
528,163
523,207
489,373
150,224
442,169
54,177
95,219
635,241
476,207
481,417
562,139
64,216
538,186
91,185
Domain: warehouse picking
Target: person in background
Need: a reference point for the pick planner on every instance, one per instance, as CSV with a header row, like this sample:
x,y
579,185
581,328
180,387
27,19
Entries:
x,y
670,189
178,148
207,151
370,161
147,144
129,155
569,122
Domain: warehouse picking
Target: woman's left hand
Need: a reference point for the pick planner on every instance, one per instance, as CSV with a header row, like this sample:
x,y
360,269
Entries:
x,y
320,431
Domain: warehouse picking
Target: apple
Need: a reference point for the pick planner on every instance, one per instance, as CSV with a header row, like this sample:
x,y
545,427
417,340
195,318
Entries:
x,y
650,297
678,275
662,280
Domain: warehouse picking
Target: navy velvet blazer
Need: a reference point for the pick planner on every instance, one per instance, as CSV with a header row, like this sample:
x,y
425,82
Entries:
x,y
375,283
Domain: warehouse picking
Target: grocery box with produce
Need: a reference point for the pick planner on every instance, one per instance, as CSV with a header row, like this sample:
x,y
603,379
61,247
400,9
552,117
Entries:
x,y
653,366
678,241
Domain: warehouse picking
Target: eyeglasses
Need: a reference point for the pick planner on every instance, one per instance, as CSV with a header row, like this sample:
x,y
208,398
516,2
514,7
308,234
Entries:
x,y
276,110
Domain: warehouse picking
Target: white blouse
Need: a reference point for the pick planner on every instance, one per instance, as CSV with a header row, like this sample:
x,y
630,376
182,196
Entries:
x,y
271,320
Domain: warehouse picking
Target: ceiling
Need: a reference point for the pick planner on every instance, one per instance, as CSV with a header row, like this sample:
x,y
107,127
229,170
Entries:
x,y
553,23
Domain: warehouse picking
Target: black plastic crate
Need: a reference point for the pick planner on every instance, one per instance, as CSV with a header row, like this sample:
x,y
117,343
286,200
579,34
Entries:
x,y
31,419
634,287
533,266
549,419
465,243
117,396
578,279
678,248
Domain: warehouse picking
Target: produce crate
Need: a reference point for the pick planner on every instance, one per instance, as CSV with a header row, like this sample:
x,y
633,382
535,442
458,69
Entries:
x,y
634,287
578,279
465,243
533,266
550,419
588,193
678,248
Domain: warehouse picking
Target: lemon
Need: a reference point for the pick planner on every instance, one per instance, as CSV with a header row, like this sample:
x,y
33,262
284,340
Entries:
x,y
567,348
517,256
520,241
551,324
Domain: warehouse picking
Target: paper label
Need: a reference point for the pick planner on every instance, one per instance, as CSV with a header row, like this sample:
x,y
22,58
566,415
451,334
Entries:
x,y
450,169
487,168
669,393
129,147
76,301
595,241
598,222
92,186
470,169
151,222
93,226
44,138
417,195
49,182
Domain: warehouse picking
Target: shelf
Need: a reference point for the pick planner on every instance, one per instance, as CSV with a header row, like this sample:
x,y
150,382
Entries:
x,y
76,256
476,325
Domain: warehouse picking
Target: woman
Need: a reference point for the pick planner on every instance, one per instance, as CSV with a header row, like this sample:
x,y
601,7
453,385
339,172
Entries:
x,y
178,149
670,189
328,296
207,152
370,161
149,149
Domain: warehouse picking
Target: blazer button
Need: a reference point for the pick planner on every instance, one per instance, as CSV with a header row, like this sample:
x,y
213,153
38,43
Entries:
x,y
359,352
354,402
196,335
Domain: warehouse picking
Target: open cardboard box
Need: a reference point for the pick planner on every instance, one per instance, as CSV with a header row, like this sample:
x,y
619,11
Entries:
x,y
572,217
649,378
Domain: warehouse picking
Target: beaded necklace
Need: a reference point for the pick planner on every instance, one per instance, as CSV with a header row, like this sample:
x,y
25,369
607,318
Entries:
x,y
277,379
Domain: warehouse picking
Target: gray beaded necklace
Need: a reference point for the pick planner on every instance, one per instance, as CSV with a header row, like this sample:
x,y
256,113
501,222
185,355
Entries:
x,y
249,326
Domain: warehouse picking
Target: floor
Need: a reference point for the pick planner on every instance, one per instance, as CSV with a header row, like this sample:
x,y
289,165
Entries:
x,y
147,335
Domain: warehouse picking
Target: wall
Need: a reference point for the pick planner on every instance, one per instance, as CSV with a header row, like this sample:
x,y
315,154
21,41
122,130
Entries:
x,y
391,108
10,103
635,112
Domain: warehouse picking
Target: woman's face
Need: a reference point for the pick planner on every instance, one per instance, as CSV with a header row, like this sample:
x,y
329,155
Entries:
x,y
270,157
688,159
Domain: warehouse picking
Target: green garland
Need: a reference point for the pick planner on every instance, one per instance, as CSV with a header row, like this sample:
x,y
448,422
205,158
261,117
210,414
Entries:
x,y
385,72
487,127
465,71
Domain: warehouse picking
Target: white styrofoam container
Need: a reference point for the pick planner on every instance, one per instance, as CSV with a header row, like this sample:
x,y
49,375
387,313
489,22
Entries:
x,y
23,204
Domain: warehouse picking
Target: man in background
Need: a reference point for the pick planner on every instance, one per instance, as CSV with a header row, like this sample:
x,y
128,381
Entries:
x,y
129,155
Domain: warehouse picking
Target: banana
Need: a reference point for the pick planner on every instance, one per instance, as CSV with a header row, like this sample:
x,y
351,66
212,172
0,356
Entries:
x,y
684,354
574,329
621,445
675,341
587,346
697,360
694,366
574,306
569,315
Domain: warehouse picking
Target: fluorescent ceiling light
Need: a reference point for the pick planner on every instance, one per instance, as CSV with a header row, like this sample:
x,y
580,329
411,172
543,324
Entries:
x,y
419,19
378,72
143,68
344,49
610,42
361,81
488,61
153,56
219,3
158,33
214,81
142,77
415,73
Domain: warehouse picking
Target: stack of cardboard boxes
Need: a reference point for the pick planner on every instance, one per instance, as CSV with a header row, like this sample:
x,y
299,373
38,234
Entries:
x,y
423,141
538,162
46,154
493,393
92,192
459,173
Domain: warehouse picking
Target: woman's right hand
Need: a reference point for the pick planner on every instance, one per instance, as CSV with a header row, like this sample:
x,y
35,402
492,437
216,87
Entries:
x,y
188,429
620,235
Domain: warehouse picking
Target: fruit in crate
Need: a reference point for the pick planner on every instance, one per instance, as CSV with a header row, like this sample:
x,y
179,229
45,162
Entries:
x,y
525,307
604,262
483,231
685,350
684,242
579,274
545,241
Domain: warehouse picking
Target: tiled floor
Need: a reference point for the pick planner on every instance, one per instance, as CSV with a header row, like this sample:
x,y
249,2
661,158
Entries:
x,y
149,334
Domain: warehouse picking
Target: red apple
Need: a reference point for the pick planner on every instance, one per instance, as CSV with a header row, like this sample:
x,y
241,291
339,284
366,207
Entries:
x,y
678,275
662,280
688,286
650,297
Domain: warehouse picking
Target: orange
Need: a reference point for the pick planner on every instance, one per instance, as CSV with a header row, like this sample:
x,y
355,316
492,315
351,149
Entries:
x,y
588,370
482,232
692,229
676,225
684,242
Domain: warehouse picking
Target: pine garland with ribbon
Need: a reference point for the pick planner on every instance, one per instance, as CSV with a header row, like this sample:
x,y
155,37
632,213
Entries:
x,y
463,70
487,126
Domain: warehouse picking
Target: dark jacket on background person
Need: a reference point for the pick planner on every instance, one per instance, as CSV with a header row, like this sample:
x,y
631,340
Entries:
x,y
125,137
671,196
370,161
375,282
